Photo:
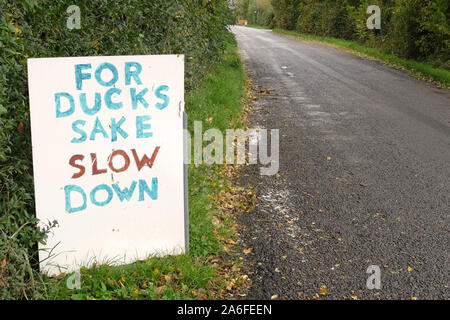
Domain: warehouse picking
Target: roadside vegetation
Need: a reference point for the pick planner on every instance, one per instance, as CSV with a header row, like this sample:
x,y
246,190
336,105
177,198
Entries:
x,y
414,34
215,88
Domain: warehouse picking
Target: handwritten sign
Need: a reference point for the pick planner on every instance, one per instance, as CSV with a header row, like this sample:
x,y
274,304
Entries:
x,y
107,136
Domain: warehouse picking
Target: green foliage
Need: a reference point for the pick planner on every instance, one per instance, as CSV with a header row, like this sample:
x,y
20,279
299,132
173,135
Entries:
x,y
434,30
286,13
412,29
174,277
256,12
31,28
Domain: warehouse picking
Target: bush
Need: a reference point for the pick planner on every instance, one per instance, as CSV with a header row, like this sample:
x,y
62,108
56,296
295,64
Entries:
x,y
417,29
434,27
256,12
31,28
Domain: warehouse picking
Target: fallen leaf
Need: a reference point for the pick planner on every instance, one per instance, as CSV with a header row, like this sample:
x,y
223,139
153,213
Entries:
x,y
168,277
323,290
277,270
410,269
248,251
159,290
275,296
230,285
215,221
201,291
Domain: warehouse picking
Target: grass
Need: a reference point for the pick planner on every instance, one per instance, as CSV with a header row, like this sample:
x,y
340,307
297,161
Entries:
x,y
418,69
202,273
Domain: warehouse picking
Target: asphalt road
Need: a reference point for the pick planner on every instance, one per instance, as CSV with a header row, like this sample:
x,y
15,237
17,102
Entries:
x,y
364,175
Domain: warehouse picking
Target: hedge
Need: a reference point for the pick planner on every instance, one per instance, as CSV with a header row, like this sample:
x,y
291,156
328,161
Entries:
x,y
411,29
37,28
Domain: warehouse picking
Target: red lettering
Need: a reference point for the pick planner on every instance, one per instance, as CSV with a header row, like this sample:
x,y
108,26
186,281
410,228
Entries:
x,y
95,169
125,157
145,160
79,166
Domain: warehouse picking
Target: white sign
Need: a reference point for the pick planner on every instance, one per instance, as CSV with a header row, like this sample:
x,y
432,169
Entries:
x,y
107,137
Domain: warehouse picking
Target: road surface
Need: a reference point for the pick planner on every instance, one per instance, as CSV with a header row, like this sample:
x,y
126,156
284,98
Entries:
x,y
364,175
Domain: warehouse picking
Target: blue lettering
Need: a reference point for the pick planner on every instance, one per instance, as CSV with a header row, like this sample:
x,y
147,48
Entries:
x,y
164,97
67,190
68,112
141,126
143,187
79,131
98,188
95,108
115,128
98,73
125,193
79,76
98,128
135,98
109,103
132,73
